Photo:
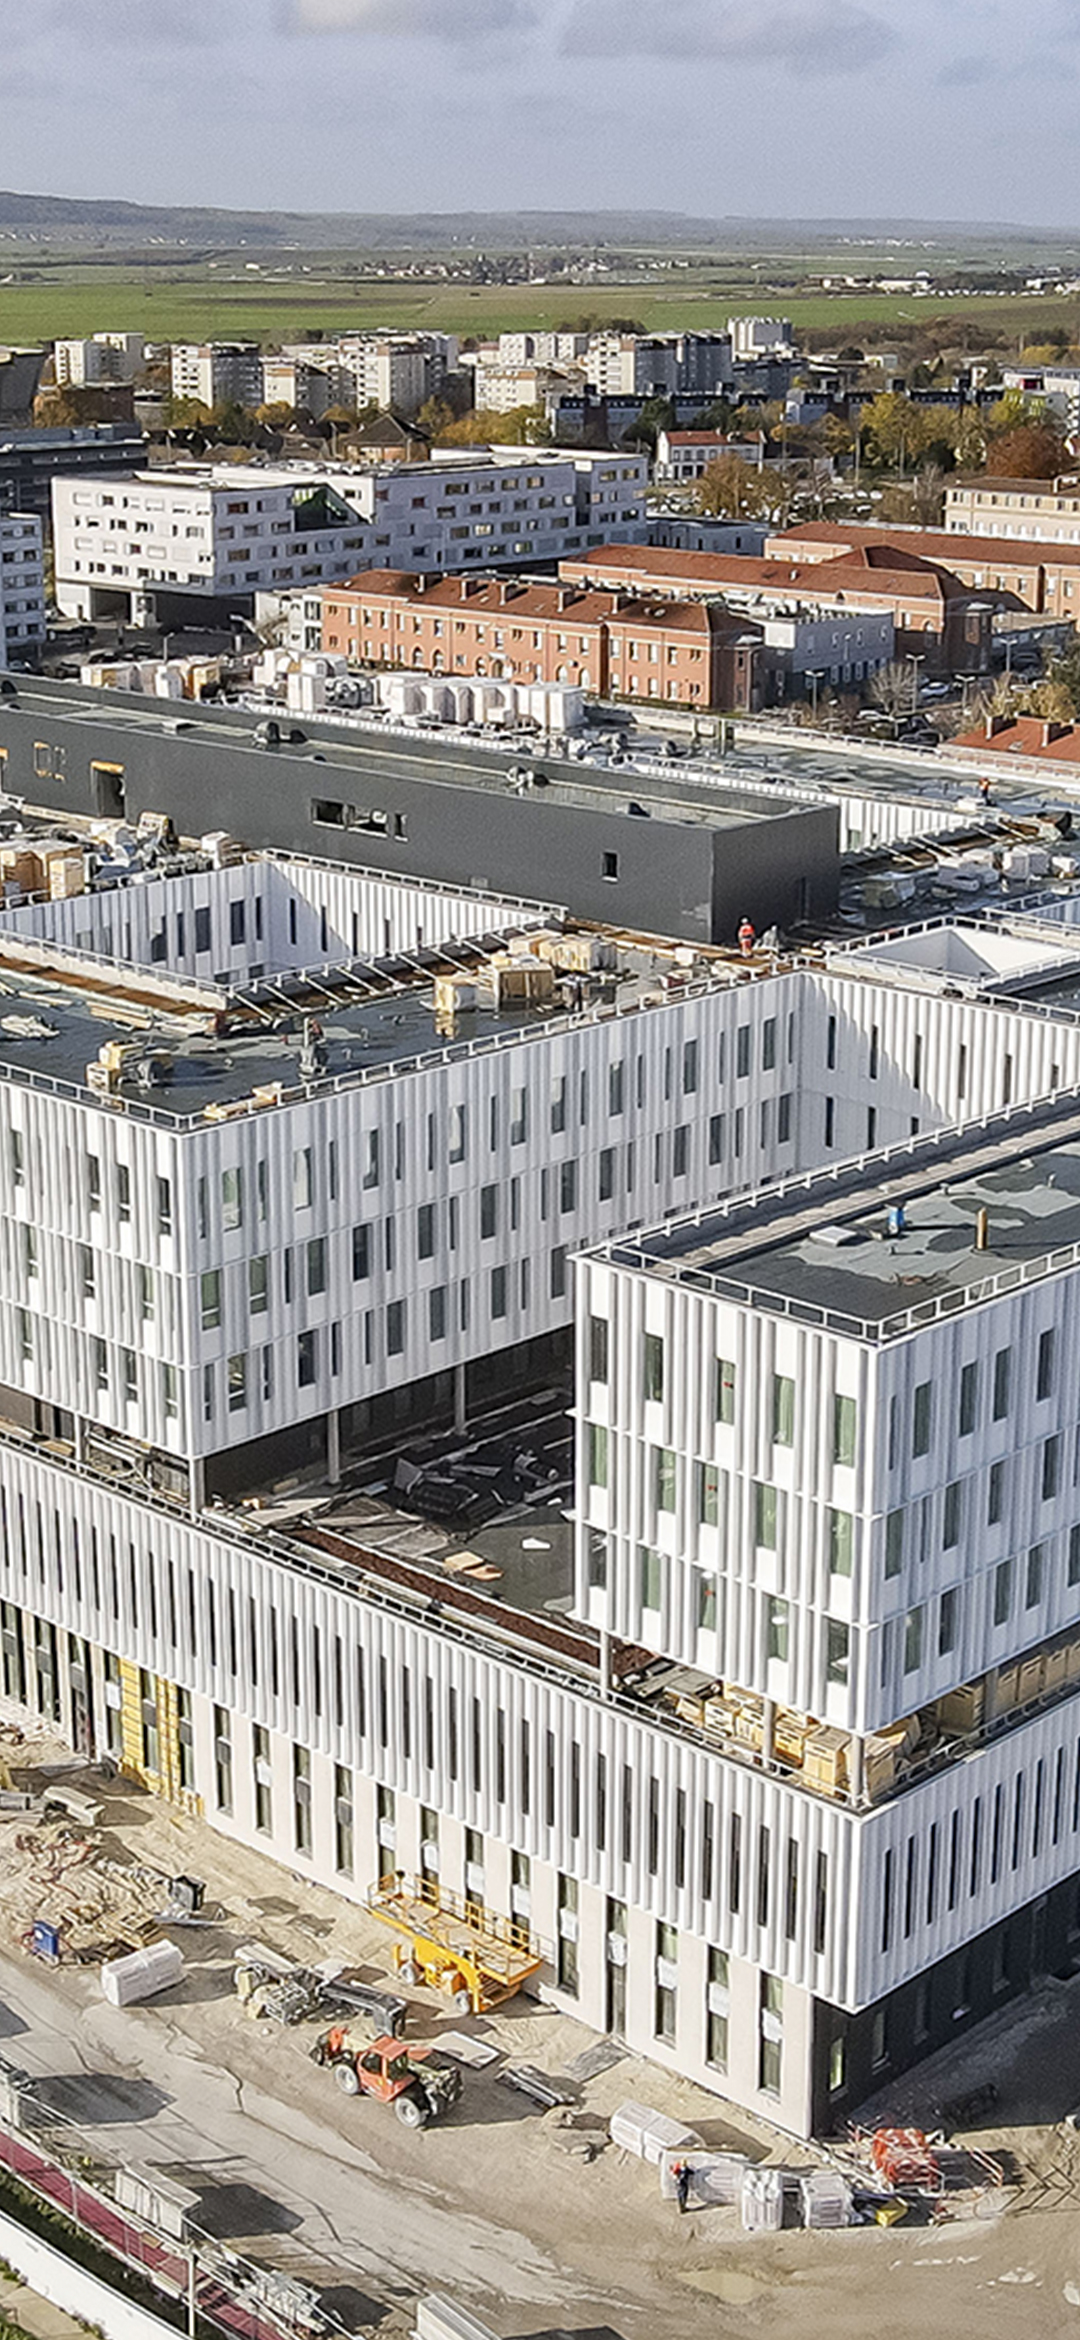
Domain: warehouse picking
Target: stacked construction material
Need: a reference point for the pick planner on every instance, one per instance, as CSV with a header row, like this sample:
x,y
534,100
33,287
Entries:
x,y
647,2133
763,2201
904,2157
825,2198
141,1974
714,2177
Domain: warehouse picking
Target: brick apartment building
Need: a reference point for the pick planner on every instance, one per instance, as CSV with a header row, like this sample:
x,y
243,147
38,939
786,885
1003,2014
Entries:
x,y
937,617
682,653
1044,578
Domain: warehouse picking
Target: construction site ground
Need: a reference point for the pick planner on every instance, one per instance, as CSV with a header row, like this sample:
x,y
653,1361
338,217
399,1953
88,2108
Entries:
x,y
531,2220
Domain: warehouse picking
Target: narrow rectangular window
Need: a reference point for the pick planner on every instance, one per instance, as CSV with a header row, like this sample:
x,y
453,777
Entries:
x,y
920,1426
783,1410
845,1419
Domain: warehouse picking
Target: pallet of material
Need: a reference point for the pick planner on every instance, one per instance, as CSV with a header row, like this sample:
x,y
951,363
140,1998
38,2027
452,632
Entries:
x,y
1072,1661
879,1767
962,1709
825,1763
1006,1688
1030,1679
790,1734
649,2134
720,1717
691,1710
750,1726
904,1735
1056,1669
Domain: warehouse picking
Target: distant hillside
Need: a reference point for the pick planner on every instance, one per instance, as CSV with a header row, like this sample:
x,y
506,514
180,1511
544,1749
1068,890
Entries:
x,y
63,220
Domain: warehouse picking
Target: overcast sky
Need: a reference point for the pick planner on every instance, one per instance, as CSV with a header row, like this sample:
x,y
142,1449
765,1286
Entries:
x,y
958,109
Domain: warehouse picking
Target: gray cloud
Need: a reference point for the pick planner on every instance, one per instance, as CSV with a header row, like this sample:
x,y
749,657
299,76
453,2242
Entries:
x,y
133,23
812,36
455,21
966,72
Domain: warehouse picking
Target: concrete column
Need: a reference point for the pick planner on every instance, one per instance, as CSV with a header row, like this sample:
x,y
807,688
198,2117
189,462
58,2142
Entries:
x,y
461,1415
333,1446
856,1760
605,1662
80,1438
768,1719
196,1485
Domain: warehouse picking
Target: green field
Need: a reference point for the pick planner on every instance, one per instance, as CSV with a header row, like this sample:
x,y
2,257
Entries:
x,y
228,302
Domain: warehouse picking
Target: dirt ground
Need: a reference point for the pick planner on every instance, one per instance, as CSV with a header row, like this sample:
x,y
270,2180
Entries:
x,y
531,2220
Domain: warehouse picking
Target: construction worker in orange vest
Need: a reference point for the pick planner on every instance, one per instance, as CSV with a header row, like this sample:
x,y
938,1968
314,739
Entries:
x,y
747,938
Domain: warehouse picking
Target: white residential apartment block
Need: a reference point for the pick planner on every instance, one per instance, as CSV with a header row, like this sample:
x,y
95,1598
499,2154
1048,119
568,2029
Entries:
x,y
683,456
557,348
231,531
1038,511
498,387
658,365
395,371
290,381
22,585
106,357
755,337
216,373
776,1800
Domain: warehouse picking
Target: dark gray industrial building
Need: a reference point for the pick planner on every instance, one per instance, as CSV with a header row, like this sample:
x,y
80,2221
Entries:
x,y
31,460
673,854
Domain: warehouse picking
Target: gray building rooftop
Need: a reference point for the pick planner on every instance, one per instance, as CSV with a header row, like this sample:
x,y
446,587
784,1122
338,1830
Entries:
x,y
829,1250
190,1050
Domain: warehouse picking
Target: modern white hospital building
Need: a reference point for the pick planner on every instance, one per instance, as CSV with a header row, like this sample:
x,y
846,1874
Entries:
x,y
292,1158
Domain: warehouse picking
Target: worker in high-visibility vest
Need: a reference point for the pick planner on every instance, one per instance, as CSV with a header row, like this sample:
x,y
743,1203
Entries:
x,y
747,938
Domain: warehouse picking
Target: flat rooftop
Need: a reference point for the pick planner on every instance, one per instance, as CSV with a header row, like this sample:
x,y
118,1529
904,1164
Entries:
x,y
823,1250
721,794
196,1050
959,955
742,784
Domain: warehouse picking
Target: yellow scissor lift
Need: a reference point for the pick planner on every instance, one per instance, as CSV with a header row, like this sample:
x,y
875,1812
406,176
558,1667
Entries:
x,y
454,1944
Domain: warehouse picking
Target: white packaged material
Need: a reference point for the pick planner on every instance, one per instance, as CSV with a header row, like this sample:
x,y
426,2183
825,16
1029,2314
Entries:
x,y
763,2201
714,2177
649,2134
142,1973
826,2198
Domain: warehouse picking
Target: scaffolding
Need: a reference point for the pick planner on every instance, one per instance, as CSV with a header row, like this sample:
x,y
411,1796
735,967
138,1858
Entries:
x,y
453,1943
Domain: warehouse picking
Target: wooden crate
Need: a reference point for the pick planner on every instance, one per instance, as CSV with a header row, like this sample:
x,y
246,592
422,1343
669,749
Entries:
x,y
750,1726
825,1760
1030,1676
879,1767
66,872
789,1735
719,1717
691,1710
1056,1669
1006,1689
962,1709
